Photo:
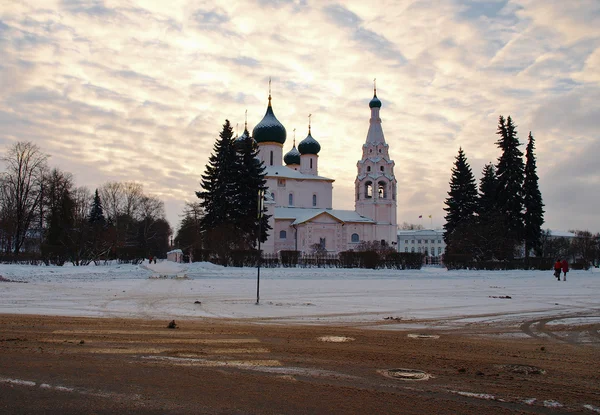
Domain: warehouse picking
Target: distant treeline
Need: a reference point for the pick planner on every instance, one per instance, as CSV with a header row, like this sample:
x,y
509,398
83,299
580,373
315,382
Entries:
x,y
44,218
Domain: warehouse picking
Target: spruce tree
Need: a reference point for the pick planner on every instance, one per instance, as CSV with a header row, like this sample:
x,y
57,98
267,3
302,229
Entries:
x,y
534,207
96,216
488,188
462,201
250,179
510,171
217,197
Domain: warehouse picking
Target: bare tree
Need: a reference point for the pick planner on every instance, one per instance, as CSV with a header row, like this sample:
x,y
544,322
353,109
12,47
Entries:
x,y
111,194
22,186
133,194
82,197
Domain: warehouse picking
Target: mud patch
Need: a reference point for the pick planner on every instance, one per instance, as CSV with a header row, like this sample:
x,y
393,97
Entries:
x,y
405,374
423,336
523,369
335,339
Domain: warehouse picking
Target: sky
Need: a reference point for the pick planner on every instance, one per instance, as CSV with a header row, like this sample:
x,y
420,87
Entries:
x,y
126,90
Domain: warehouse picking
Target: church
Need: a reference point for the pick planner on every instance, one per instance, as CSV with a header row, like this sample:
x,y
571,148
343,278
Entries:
x,y
299,200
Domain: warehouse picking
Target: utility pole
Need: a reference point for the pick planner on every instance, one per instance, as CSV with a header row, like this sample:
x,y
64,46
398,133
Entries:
x,y
261,196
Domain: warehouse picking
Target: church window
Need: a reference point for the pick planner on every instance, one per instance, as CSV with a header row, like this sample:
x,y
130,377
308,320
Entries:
x,y
419,241
271,158
419,249
370,150
355,238
291,199
406,249
282,234
439,250
412,249
368,190
380,150
322,243
425,251
281,182
382,190
368,169
426,241
314,200
381,169
406,241
311,163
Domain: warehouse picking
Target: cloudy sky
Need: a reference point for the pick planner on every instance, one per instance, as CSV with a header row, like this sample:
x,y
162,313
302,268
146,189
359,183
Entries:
x,y
138,90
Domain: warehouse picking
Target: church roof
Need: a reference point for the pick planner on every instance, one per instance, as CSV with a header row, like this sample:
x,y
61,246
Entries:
x,y
301,215
309,145
292,156
287,173
269,129
375,102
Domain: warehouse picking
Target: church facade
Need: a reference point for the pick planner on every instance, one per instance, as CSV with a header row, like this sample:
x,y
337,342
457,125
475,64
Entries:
x,y
300,201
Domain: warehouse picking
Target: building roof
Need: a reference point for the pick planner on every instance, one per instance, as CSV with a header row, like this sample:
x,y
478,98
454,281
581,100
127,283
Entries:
x,y
309,145
287,173
269,129
417,232
561,234
292,156
375,102
301,215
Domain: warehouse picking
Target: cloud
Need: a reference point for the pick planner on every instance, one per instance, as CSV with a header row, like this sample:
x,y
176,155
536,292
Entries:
x,y
132,90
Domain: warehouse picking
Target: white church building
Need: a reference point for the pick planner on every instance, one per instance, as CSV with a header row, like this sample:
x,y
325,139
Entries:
x,y
299,200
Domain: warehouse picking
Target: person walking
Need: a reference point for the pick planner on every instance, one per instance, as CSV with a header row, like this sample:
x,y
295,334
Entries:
x,y
565,268
557,269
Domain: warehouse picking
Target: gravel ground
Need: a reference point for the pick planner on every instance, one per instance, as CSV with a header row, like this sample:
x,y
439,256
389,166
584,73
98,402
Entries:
x,y
64,365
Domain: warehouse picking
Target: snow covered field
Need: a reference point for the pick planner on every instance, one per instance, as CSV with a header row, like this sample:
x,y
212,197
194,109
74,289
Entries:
x,y
307,295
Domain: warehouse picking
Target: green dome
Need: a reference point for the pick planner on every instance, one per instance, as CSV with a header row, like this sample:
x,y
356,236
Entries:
x,y
375,102
309,145
240,141
269,129
292,157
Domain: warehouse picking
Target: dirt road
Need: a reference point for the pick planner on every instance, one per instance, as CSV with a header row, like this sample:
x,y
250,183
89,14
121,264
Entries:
x,y
63,365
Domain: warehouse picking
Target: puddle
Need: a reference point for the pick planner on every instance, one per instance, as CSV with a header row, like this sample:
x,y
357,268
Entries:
x,y
335,339
423,336
405,374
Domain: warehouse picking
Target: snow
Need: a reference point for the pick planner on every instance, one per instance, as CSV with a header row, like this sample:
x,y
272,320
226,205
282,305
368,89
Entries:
x,y
299,295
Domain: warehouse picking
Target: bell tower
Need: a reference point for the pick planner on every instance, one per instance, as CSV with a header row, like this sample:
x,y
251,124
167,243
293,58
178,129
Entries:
x,y
375,184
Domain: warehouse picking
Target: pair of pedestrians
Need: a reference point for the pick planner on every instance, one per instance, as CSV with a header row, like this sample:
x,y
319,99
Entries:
x,y
561,266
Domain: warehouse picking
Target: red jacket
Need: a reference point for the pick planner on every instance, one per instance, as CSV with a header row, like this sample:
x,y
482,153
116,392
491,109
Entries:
x,y
565,265
557,265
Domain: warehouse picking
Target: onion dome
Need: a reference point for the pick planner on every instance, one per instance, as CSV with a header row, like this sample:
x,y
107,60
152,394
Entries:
x,y
375,102
238,143
269,129
292,156
309,145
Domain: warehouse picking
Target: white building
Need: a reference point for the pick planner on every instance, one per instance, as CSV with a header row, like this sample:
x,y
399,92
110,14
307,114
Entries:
x,y
426,241
300,201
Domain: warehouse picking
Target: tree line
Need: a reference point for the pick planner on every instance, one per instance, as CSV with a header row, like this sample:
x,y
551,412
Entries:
x,y
502,218
45,217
